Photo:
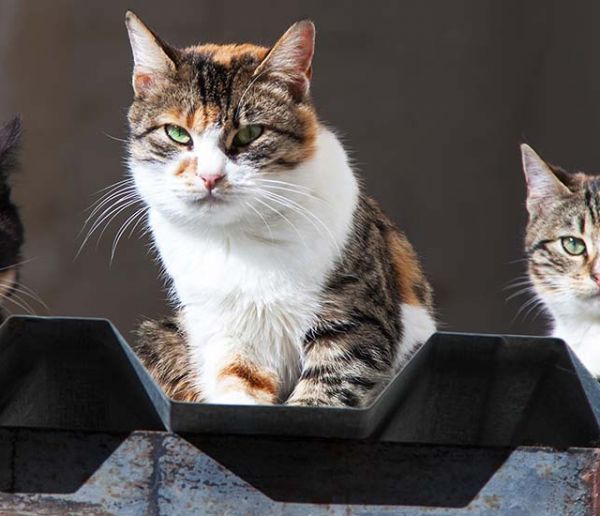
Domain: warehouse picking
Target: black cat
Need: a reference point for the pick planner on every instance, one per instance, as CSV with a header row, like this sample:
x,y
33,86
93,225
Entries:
x,y
11,228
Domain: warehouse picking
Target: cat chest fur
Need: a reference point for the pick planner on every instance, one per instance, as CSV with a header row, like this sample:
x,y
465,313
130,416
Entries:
x,y
243,298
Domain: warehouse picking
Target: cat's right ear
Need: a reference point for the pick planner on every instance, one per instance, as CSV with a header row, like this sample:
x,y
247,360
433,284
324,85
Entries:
x,y
291,58
542,183
153,58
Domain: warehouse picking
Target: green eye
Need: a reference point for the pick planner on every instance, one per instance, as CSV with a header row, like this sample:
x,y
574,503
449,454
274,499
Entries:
x,y
178,134
573,245
247,135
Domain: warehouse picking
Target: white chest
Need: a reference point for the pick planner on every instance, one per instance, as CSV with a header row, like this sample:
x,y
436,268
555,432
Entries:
x,y
244,298
584,338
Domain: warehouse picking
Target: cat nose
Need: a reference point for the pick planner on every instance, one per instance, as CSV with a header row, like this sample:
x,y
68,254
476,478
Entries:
x,y
211,180
596,277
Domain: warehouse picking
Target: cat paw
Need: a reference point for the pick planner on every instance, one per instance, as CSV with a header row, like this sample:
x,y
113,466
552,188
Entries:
x,y
232,398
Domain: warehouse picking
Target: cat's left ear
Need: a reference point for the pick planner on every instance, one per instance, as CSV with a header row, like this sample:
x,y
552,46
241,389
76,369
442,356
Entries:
x,y
153,58
291,58
542,183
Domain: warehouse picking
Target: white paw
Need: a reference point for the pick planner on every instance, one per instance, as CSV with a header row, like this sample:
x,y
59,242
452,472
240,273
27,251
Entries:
x,y
232,398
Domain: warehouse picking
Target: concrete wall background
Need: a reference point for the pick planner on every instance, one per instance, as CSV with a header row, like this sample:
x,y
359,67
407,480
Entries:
x,y
432,98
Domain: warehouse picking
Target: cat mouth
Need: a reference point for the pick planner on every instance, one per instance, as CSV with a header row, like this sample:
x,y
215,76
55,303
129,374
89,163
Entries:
x,y
207,198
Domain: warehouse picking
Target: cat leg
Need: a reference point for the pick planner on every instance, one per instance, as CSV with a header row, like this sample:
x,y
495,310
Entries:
x,y
232,375
342,369
161,347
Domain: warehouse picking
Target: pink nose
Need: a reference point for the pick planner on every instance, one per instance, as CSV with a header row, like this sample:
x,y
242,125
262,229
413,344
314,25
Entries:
x,y
596,277
211,180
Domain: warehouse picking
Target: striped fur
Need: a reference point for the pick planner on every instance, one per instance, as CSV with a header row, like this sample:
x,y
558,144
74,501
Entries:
x,y
292,285
563,205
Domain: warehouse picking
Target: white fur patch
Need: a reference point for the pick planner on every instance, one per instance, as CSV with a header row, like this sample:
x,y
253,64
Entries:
x,y
418,326
584,338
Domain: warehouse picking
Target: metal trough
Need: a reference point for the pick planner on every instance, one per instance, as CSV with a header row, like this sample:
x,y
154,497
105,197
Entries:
x,y
473,424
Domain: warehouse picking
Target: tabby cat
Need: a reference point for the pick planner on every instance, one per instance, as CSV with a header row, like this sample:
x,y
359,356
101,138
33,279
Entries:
x,y
11,229
292,285
563,251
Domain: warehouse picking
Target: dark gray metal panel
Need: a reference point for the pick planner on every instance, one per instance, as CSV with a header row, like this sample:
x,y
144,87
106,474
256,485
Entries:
x,y
459,389
70,374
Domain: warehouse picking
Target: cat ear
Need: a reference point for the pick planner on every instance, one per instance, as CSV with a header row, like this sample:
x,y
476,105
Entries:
x,y
542,183
291,58
153,59
10,135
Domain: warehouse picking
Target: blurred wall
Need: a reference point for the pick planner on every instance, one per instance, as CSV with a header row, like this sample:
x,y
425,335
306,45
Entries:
x,y
432,99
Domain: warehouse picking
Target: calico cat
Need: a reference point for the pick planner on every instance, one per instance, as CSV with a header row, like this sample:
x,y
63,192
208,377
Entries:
x,y
292,285
11,228
563,252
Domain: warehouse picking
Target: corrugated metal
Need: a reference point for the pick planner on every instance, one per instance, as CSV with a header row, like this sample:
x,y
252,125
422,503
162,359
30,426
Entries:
x,y
474,424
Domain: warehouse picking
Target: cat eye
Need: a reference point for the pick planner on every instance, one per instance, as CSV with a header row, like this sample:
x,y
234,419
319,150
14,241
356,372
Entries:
x,y
178,134
247,135
574,246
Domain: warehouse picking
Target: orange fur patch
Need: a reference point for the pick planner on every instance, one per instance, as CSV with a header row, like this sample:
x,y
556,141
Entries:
x,y
224,54
187,165
259,384
406,265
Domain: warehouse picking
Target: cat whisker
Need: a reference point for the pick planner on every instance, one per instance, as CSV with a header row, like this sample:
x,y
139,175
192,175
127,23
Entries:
x,y
108,216
536,308
110,197
302,210
284,218
262,218
529,303
123,229
114,137
520,292
140,219
284,183
94,207
116,213
18,264
120,200
520,260
16,300
283,188
26,291
293,208
115,185
110,189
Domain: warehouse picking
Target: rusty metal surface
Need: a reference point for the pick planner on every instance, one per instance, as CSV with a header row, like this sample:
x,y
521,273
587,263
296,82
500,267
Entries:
x,y
161,473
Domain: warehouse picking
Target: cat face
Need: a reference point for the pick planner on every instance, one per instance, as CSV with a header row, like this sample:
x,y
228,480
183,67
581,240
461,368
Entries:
x,y
11,229
563,235
216,131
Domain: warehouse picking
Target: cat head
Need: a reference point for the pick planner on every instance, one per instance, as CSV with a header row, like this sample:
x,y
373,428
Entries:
x,y
214,128
563,235
11,229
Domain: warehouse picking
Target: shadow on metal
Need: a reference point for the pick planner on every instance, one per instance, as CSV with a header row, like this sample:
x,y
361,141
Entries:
x,y
483,390
350,472
49,461
70,374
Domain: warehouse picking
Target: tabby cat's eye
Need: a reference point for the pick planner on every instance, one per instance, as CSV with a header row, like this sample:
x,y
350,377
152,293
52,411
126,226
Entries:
x,y
178,134
247,135
573,245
